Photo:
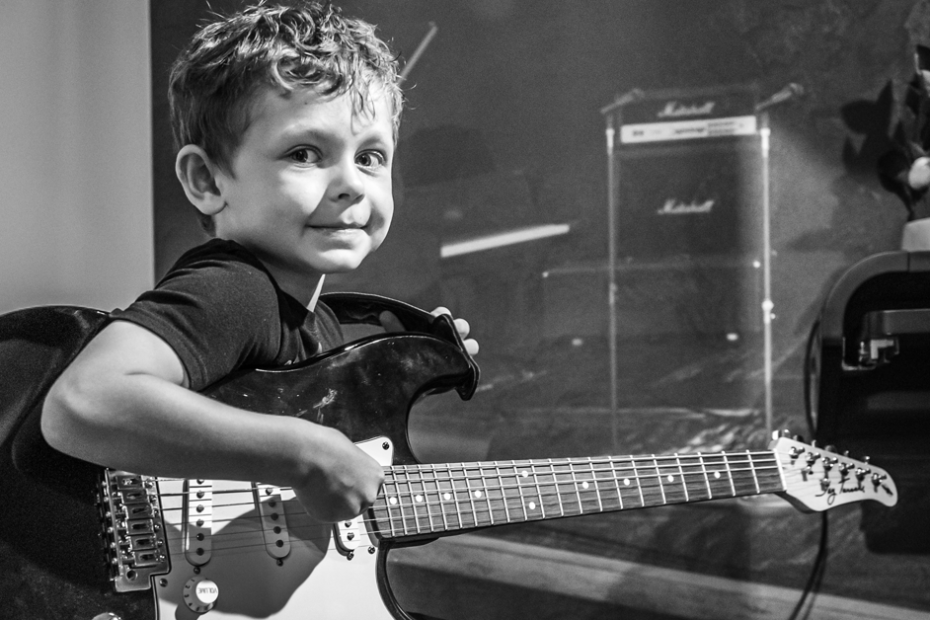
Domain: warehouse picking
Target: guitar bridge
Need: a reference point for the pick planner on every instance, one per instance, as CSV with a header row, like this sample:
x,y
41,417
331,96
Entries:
x,y
133,529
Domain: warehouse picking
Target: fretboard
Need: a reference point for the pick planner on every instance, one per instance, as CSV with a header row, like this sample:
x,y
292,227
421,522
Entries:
x,y
420,500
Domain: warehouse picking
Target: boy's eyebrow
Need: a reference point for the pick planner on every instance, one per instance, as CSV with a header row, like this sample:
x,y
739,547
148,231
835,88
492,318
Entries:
x,y
322,134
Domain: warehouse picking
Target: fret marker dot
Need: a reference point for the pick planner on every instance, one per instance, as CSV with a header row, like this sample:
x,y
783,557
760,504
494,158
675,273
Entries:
x,y
447,496
626,481
524,474
671,478
585,485
418,498
717,475
393,501
478,493
532,505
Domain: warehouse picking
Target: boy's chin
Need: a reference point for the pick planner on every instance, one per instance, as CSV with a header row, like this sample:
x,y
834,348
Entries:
x,y
339,264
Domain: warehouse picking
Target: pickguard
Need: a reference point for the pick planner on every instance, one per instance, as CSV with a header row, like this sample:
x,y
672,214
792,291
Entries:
x,y
317,578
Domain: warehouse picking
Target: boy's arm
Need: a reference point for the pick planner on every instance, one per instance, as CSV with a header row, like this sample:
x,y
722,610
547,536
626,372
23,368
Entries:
x,y
122,403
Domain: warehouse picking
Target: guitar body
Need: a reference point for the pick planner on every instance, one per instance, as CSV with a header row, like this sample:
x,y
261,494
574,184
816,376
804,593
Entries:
x,y
171,549
52,561
251,569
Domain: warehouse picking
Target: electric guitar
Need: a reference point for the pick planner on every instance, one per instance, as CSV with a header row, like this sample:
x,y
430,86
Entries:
x,y
181,549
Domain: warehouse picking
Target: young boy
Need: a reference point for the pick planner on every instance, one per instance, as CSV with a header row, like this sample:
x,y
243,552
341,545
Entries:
x,y
287,120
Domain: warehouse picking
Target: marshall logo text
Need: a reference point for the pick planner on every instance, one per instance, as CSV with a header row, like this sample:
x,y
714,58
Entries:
x,y
675,207
674,109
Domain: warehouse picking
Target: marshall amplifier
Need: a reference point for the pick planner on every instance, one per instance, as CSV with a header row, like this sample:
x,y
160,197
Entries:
x,y
689,172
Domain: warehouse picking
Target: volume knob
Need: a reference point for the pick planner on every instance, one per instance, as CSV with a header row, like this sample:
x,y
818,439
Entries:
x,y
200,594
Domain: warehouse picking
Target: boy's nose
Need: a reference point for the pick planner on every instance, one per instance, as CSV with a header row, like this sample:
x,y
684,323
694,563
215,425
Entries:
x,y
347,183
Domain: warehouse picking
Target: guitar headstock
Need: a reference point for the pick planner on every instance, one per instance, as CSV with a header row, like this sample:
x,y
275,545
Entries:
x,y
816,479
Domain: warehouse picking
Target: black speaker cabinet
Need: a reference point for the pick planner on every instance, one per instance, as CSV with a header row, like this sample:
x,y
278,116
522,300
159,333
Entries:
x,y
696,198
870,374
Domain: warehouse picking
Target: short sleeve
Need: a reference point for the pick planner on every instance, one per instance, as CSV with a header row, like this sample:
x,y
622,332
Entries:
x,y
217,308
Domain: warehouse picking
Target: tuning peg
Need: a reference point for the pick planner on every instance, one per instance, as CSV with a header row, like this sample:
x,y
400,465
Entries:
x,y
830,448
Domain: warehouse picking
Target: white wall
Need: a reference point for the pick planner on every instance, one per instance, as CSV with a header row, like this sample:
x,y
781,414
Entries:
x,y
75,152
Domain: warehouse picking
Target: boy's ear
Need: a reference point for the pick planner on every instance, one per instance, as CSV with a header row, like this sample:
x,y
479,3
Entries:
x,y
197,174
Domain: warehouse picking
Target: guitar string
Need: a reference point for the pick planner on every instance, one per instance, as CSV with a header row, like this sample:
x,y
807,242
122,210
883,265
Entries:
x,y
587,463
646,482
478,509
465,467
652,480
328,535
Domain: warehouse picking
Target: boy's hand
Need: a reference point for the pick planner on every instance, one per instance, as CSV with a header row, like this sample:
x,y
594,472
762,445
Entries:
x,y
344,482
392,324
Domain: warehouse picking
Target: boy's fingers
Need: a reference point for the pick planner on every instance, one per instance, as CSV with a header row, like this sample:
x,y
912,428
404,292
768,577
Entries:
x,y
471,346
390,323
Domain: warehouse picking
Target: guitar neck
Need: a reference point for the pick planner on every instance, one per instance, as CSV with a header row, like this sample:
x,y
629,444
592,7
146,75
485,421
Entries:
x,y
425,500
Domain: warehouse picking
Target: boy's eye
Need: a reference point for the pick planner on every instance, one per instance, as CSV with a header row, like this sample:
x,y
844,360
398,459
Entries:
x,y
371,159
304,156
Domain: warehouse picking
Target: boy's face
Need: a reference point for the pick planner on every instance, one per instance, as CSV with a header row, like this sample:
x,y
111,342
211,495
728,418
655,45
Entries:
x,y
310,192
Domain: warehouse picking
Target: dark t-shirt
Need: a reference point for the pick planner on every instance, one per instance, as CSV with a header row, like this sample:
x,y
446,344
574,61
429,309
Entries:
x,y
221,310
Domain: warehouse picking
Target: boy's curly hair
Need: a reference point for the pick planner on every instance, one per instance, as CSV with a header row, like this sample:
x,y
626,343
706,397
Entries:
x,y
285,47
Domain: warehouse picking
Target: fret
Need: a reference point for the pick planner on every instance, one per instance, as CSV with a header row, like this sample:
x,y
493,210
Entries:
x,y
631,482
597,486
455,499
743,477
613,471
752,468
605,482
468,494
658,478
418,496
433,479
485,493
668,475
576,486
681,472
710,494
726,463
400,498
586,488
502,488
563,477
520,476
771,474
445,491
718,475
539,493
390,499
462,497
692,472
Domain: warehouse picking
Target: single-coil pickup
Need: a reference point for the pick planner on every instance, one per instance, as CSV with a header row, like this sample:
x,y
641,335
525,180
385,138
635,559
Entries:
x,y
274,524
198,521
350,536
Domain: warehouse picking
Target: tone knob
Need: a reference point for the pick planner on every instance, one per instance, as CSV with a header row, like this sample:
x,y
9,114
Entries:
x,y
200,594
